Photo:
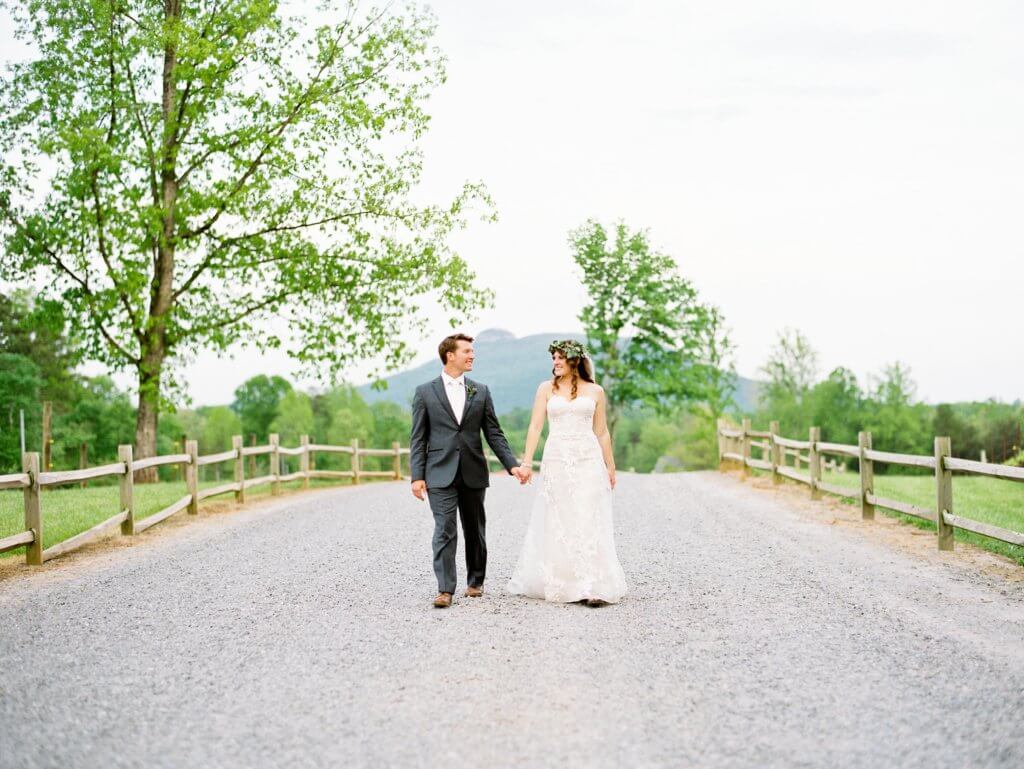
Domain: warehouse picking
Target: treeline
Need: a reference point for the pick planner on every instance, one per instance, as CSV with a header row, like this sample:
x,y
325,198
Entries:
x,y
39,356
886,406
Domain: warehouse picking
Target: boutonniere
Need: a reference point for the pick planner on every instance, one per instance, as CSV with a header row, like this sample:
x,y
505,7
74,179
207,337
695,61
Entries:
x,y
470,390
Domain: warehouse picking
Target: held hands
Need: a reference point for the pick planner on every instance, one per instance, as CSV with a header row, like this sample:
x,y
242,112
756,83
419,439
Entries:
x,y
522,474
419,490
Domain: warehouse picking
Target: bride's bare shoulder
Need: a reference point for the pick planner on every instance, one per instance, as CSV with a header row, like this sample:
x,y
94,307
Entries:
x,y
544,387
594,390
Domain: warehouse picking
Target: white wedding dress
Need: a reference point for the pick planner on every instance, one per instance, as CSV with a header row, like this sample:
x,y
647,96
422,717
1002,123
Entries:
x,y
569,551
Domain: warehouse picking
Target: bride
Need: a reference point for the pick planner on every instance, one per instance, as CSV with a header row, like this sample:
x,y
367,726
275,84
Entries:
x,y
569,551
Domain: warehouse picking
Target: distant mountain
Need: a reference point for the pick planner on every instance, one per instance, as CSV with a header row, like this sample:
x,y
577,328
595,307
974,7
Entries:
x,y
511,367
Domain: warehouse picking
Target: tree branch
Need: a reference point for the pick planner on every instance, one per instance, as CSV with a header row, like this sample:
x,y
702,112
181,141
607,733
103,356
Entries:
x,y
275,135
227,242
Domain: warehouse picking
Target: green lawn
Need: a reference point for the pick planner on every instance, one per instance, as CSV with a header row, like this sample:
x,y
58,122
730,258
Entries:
x,y
980,498
69,510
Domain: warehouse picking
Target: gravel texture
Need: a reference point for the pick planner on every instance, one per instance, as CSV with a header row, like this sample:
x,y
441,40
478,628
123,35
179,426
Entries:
x,y
299,633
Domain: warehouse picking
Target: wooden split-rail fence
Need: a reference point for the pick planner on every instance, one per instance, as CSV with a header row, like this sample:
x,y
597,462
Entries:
x,y
32,480
736,446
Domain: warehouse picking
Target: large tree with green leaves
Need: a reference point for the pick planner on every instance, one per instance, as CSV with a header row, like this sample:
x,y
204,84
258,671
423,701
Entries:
x,y
187,176
257,400
644,323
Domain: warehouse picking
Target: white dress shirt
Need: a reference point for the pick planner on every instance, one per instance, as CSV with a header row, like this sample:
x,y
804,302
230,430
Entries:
x,y
455,389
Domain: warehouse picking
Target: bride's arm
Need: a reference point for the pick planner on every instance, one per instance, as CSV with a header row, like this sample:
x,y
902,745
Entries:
x,y
604,437
540,404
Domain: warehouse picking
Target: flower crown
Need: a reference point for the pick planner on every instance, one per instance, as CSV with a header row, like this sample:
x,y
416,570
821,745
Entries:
x,y
570,348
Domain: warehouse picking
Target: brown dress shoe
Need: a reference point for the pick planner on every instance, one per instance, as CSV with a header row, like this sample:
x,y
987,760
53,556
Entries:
x,y
474,592
443,600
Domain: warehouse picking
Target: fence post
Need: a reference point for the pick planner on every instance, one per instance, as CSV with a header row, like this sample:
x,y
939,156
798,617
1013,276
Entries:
x,y
745,449
127,489
275,463
33,510
236,444
355,460
867,476
398,460
814,461
304,460
773,428
943,493
192,475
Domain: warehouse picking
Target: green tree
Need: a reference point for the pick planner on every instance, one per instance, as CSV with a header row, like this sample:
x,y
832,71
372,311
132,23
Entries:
x,y
791,369
212,166
964,437
99,415
835,404
390,423
38,329
19,389
294,418
344,415
643,322
220,424
894,418
256,403
715,373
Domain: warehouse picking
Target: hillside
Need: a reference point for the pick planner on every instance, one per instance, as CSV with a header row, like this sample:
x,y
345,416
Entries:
x,y
511,366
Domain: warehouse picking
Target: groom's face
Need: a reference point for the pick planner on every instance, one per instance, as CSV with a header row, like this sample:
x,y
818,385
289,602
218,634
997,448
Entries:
x,y
462,358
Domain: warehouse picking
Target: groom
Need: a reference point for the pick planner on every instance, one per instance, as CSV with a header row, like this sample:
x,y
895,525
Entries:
x,y
448,464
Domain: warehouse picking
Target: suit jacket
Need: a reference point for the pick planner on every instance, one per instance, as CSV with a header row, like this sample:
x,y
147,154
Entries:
x,y
440,444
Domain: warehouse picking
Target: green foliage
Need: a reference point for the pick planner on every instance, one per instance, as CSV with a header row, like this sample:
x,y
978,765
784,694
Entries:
x,y
256,403
714,373
888,409
219,424
294,418
895,421
791,368
643,322
390,423
209,167
20,384
101,416
37,329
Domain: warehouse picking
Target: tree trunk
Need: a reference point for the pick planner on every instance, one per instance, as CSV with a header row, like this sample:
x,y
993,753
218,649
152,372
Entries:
x,y
154,343
148,414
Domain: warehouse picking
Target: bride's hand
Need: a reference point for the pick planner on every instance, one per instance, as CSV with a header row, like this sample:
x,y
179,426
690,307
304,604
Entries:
x,y
611,476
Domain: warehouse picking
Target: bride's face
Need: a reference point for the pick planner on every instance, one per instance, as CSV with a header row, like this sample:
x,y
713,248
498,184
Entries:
x,y
561,368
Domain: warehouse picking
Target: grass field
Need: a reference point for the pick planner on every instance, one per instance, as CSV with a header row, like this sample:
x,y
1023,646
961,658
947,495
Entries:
x,y
69,510
989,500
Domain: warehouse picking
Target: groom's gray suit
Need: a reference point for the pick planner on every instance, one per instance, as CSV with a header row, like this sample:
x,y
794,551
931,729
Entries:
x,y
448,454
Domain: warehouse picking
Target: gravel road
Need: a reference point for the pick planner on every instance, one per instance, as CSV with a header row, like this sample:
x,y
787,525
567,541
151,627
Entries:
x,y
298,633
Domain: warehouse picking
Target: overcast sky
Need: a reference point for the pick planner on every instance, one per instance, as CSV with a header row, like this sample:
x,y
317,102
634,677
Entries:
x,y
853,170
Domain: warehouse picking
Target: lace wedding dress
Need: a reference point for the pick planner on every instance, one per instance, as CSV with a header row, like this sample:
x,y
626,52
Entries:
x,y
569,551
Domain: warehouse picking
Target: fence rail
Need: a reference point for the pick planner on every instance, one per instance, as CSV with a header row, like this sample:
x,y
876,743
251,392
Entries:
x,y
31,480
734,446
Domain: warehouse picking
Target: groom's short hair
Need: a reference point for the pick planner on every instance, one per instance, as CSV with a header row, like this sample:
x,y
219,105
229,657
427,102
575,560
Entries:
x,y
451,344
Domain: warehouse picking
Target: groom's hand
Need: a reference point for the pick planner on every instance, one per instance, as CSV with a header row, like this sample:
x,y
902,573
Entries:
x,y
522,474
419,490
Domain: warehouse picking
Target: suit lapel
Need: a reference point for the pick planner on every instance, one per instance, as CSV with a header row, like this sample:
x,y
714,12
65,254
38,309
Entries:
x,y
465,406
442,396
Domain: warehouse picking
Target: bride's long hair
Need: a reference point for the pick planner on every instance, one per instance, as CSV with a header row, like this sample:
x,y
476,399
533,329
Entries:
x,y
579,368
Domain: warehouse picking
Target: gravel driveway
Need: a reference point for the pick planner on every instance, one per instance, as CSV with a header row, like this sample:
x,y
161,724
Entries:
x,y
298,633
